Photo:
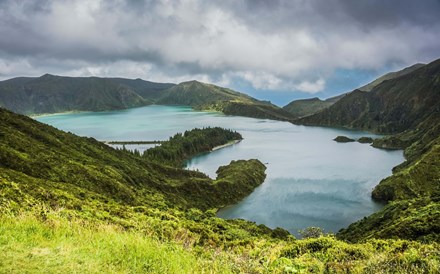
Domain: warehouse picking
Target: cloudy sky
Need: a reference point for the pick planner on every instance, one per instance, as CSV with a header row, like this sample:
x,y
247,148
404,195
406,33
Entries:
x,y
272,49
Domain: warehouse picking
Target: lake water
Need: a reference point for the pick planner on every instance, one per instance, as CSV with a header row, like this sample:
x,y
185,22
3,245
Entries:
x,y
311,179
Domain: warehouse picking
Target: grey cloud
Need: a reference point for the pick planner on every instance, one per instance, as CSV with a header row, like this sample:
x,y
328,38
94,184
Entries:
x,y
276,44
285,13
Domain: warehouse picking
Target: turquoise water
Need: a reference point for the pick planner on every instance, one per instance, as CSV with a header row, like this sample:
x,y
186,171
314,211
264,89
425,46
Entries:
x,y
311,179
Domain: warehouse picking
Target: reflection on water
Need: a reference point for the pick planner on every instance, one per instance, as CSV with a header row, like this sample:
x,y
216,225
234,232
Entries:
x,y
311,180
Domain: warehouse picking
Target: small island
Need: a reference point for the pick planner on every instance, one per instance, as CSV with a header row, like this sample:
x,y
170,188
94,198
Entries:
x,y
365,140
184,146
343,139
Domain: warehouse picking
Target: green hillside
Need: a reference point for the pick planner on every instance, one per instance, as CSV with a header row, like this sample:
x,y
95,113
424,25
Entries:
x,y
73,204
391,107
150,91
389,76
194,93
51,94
203,96
63,160
306,107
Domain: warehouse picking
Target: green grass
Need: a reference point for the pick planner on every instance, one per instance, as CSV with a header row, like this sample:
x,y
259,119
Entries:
x,y
43,240
29,245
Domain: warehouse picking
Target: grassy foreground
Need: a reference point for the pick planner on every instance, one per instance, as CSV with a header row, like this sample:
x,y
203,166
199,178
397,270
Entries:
x,y
55,241
29,245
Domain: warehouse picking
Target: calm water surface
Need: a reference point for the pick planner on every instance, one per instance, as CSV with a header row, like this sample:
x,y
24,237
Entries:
x,y
311,179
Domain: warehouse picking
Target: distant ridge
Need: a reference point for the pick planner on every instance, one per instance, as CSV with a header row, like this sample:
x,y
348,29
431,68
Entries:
x,y
51,94
389,76
204,96
306,107
148,90
54,94
392,106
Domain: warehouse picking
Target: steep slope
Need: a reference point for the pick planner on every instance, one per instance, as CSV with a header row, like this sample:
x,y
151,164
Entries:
x,y
391,107
389,76
194,93
51,94
419,175
36,152
210,97
306,107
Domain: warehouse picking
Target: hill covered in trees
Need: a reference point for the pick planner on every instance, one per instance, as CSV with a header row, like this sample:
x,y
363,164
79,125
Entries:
x,y
184,146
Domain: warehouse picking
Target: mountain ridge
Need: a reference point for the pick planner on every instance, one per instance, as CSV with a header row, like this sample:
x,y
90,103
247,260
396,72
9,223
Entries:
x,y
380,110
52,94
389,76
203,96
306,107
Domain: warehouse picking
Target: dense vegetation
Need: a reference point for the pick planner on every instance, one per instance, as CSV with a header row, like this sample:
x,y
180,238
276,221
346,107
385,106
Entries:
x,y
365,140
74,204
58,161
184,146
343,139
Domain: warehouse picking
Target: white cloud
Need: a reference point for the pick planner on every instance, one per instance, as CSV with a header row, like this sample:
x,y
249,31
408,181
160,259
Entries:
x,y
311,87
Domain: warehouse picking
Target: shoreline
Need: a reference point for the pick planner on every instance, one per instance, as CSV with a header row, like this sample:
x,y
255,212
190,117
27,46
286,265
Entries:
x,y
230,143
57,113
132,142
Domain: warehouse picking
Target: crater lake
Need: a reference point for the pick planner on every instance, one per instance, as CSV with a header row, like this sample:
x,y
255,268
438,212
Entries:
x,y
311,179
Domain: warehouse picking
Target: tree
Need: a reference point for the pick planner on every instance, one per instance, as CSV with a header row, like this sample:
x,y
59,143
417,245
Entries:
x,y
311,232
